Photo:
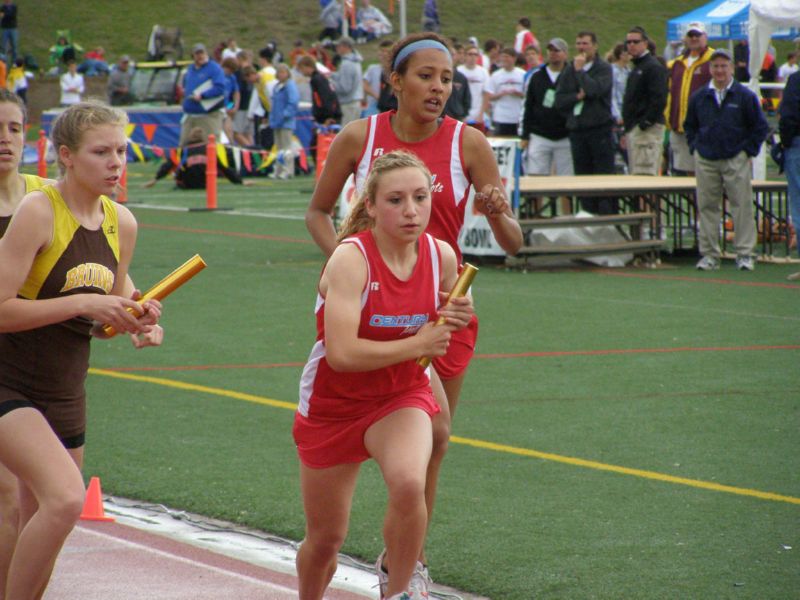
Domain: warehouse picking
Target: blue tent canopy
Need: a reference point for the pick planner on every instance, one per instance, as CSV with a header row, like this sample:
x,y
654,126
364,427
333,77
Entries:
x,y
723,19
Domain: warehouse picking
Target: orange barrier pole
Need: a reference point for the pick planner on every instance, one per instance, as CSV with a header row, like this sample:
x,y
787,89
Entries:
x,y
122,192
211,173
41,146
324,141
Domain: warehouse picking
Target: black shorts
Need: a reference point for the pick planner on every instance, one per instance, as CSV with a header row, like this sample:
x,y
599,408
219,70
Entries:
x,y
67,418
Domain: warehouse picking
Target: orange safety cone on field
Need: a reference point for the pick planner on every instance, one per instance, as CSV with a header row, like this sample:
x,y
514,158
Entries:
x,y
93,505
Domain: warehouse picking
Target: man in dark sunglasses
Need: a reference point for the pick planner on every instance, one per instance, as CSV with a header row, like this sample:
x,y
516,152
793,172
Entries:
x,y
643,106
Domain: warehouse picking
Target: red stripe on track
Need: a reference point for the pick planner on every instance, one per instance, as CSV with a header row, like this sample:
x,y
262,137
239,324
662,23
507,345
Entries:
x,y
256,236
638,351
766,284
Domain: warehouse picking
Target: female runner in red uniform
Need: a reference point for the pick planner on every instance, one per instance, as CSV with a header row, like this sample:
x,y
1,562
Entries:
x,y
362,393
458,156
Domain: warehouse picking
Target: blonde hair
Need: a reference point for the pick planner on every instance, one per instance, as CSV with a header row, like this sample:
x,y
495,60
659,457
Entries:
x,y
70,126
358,218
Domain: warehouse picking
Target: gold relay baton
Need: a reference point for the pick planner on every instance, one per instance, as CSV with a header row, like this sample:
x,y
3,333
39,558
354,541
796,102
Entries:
x,y
459,290
166,286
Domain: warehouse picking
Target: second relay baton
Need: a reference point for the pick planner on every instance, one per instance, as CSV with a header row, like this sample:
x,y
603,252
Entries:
x,y
459,289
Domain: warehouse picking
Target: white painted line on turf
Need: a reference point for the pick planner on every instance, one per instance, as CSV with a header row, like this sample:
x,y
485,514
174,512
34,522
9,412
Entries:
x,y
195,563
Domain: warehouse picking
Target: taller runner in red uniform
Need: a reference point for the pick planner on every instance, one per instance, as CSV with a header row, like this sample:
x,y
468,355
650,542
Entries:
x,y
458,156
362,393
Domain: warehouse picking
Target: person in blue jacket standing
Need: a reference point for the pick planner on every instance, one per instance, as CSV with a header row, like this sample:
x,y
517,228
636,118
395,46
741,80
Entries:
x,y
285,100
204,95
725,128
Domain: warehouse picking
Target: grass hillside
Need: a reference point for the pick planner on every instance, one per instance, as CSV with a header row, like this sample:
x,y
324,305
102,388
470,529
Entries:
x,y
123,27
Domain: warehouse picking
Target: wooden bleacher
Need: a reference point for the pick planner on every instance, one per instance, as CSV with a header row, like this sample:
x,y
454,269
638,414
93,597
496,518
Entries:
x,y
669,204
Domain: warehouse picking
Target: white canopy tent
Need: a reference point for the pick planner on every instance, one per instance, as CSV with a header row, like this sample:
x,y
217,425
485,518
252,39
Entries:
x,y
766,17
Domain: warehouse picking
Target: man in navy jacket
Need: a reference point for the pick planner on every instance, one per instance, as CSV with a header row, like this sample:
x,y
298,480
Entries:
x,y
725,128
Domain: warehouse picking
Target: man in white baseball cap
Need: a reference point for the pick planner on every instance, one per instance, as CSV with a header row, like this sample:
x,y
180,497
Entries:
x,y
687,73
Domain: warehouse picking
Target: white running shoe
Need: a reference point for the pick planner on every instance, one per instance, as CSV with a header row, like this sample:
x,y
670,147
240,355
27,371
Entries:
x,y
708,263
417,587
745,263
420,581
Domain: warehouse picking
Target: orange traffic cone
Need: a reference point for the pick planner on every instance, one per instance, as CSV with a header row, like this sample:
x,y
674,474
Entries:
x,y
93,505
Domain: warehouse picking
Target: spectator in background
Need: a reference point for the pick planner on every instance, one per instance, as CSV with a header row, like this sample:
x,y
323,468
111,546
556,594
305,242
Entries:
x,y
491,50
460,100
789,67
524,37
620,69
190,172
94,63
477,77
430,17
296,52
532,62
204,95
583,96
72,85
247,78
769,74
741,57
790,140
331,17
725,128
375,80
503,95
231,50
233,96
643,106
243,123
119,83
686,74
285,103
323,57
347,80
544,128
260,110
8,27
371,23
324,102
17,80
61,53
619,59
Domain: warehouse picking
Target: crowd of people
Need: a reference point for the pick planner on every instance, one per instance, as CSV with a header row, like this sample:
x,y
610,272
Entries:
x,y
574,110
